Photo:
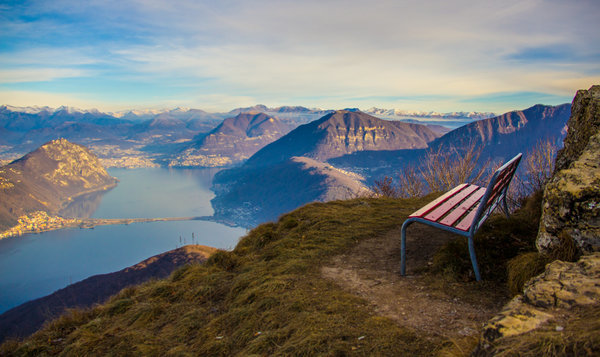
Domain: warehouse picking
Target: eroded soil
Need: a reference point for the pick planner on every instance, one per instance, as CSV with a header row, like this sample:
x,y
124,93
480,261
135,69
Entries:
x,y
418,300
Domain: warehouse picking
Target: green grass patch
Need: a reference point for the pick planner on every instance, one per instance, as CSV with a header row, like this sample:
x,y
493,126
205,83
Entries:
x,y
266,297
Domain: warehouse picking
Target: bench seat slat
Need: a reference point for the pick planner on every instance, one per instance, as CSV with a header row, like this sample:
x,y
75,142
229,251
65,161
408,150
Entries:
x,y
464,207
433,204
466,222
449,205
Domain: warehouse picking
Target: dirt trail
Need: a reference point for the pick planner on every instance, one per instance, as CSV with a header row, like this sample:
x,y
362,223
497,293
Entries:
x,y
372,270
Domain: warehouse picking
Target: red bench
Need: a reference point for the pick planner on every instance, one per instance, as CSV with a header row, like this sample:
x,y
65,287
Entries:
x,y
461,211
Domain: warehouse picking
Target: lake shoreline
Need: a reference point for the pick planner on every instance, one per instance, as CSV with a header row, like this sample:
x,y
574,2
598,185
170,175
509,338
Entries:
x,y
53,223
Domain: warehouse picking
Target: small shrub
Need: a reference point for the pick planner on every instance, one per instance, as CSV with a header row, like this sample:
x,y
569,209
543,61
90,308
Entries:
x,y
119,306
385,188
524,267
410,183
223,260
566,250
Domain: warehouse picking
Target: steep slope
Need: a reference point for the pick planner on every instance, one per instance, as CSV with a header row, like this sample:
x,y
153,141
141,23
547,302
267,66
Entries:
x,y
262,194
505,135
25,319
48,178
344,132
233,141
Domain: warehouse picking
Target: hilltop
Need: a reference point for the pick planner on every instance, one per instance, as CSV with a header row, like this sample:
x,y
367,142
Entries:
x,y
48,178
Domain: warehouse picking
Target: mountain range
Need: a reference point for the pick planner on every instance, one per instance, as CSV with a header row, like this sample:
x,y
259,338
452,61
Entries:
x,y
349,141
263,144
152,137
341,133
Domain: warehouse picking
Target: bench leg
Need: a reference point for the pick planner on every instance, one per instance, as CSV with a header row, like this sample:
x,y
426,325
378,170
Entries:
x,y
473,258
403,247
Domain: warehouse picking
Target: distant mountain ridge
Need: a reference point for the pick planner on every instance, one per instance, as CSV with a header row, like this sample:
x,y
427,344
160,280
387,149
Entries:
x,y
47,178
432,114
232,141
259,194
506,135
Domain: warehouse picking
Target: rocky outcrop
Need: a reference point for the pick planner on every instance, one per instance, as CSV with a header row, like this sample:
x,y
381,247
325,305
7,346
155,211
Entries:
x,y
583,124
556,301
571,208
547,298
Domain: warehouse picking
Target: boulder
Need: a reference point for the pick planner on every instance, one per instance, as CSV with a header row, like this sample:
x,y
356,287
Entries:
x,y
571,208
561,290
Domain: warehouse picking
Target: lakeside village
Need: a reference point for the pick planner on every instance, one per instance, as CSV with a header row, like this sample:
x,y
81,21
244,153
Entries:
x,y
38,222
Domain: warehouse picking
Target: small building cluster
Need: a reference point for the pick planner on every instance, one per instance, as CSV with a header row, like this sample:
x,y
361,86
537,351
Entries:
x,y
36,222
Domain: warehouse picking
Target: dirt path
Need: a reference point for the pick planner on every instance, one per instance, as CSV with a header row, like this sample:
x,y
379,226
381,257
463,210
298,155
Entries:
x,y
372,270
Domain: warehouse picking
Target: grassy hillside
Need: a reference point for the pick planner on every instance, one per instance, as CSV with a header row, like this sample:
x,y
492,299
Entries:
x,y
266,297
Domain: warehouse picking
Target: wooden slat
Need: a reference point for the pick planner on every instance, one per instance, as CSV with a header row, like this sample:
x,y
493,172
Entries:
x,y
466,222
447,206
464,207
433,204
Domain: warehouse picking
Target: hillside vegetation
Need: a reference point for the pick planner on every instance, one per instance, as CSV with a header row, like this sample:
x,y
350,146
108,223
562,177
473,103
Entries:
x,y
265,297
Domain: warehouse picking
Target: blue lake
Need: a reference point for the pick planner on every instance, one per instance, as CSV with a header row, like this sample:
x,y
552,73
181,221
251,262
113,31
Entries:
x,y
35,265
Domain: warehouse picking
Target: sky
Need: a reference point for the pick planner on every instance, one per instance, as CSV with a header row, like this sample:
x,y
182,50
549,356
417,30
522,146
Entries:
x,y
437,55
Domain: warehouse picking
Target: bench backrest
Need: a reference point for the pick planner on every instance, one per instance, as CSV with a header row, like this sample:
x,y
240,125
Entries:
x,y
495,191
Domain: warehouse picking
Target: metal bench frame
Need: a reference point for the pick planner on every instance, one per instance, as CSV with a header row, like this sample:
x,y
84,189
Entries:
x,y
460,210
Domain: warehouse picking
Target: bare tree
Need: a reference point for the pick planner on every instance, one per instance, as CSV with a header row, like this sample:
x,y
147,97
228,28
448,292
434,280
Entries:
x,y
539,164
410,182
440,170
446,167
385,188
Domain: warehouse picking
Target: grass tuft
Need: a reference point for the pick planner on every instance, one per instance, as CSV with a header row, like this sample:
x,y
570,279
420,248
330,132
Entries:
x,y
524,267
